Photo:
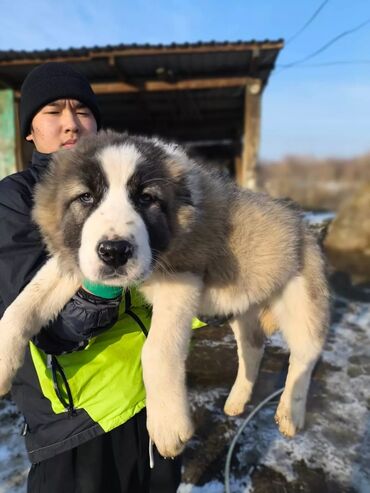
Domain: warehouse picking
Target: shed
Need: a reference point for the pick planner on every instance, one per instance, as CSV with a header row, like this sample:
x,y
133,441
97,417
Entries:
x,y
204,95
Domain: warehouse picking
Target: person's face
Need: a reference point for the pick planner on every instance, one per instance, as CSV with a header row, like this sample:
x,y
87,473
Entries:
x,y
60,124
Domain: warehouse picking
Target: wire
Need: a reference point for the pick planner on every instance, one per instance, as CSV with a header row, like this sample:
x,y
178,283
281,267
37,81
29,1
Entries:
x,y
310,20
326,45
334,63
239,432
303,28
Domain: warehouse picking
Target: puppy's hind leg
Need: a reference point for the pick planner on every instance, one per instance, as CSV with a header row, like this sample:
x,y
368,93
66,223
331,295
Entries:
x,y
303,322
249,338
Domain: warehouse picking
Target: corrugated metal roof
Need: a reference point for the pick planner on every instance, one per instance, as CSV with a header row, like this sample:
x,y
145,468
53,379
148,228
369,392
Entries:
x,y
12,55
143,62
205,113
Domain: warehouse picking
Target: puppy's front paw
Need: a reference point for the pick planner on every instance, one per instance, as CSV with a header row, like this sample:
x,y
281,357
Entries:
x,y
7,370
6,377
169,430
11,356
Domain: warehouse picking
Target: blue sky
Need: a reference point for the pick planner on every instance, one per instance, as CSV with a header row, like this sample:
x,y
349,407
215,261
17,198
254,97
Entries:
x,y
315,109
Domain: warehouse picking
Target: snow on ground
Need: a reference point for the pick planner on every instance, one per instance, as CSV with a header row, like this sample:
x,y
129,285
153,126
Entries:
x,y
337,439
13,461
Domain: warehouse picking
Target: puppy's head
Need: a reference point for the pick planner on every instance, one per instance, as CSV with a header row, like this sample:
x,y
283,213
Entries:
x,y
113,205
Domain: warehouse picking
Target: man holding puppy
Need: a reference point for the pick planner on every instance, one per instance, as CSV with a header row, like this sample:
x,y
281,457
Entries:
x,y
80,388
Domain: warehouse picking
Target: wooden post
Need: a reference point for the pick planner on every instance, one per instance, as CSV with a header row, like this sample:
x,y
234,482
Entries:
x,y
21,164
238,170
246,175
7,133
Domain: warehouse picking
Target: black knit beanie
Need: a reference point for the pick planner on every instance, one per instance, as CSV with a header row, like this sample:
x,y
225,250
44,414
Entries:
x,y
50,82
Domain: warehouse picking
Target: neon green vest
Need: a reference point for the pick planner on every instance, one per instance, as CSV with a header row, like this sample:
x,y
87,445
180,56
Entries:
x,y
105,378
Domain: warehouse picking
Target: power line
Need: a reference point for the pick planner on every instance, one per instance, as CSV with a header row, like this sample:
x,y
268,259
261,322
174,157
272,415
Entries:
x,y
326,45
338,62
310,20
325,64
307,23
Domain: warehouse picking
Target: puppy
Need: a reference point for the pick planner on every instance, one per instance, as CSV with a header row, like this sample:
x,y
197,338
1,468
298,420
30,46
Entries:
x,y
123,210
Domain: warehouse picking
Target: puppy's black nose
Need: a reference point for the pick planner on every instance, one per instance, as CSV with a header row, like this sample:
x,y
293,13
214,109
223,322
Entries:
x,y
115,253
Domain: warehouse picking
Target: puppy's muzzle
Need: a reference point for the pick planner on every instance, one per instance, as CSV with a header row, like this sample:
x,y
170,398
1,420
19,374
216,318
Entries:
x,y
115,253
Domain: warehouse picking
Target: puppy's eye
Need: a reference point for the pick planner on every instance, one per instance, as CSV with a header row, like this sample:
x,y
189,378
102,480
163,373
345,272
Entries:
x,y
146,199
86,198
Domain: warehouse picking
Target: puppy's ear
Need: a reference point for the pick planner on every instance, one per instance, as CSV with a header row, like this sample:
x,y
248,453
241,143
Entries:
x,y
186,177
185,188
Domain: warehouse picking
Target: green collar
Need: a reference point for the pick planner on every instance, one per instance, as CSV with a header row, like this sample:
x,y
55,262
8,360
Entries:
x,y
102,290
